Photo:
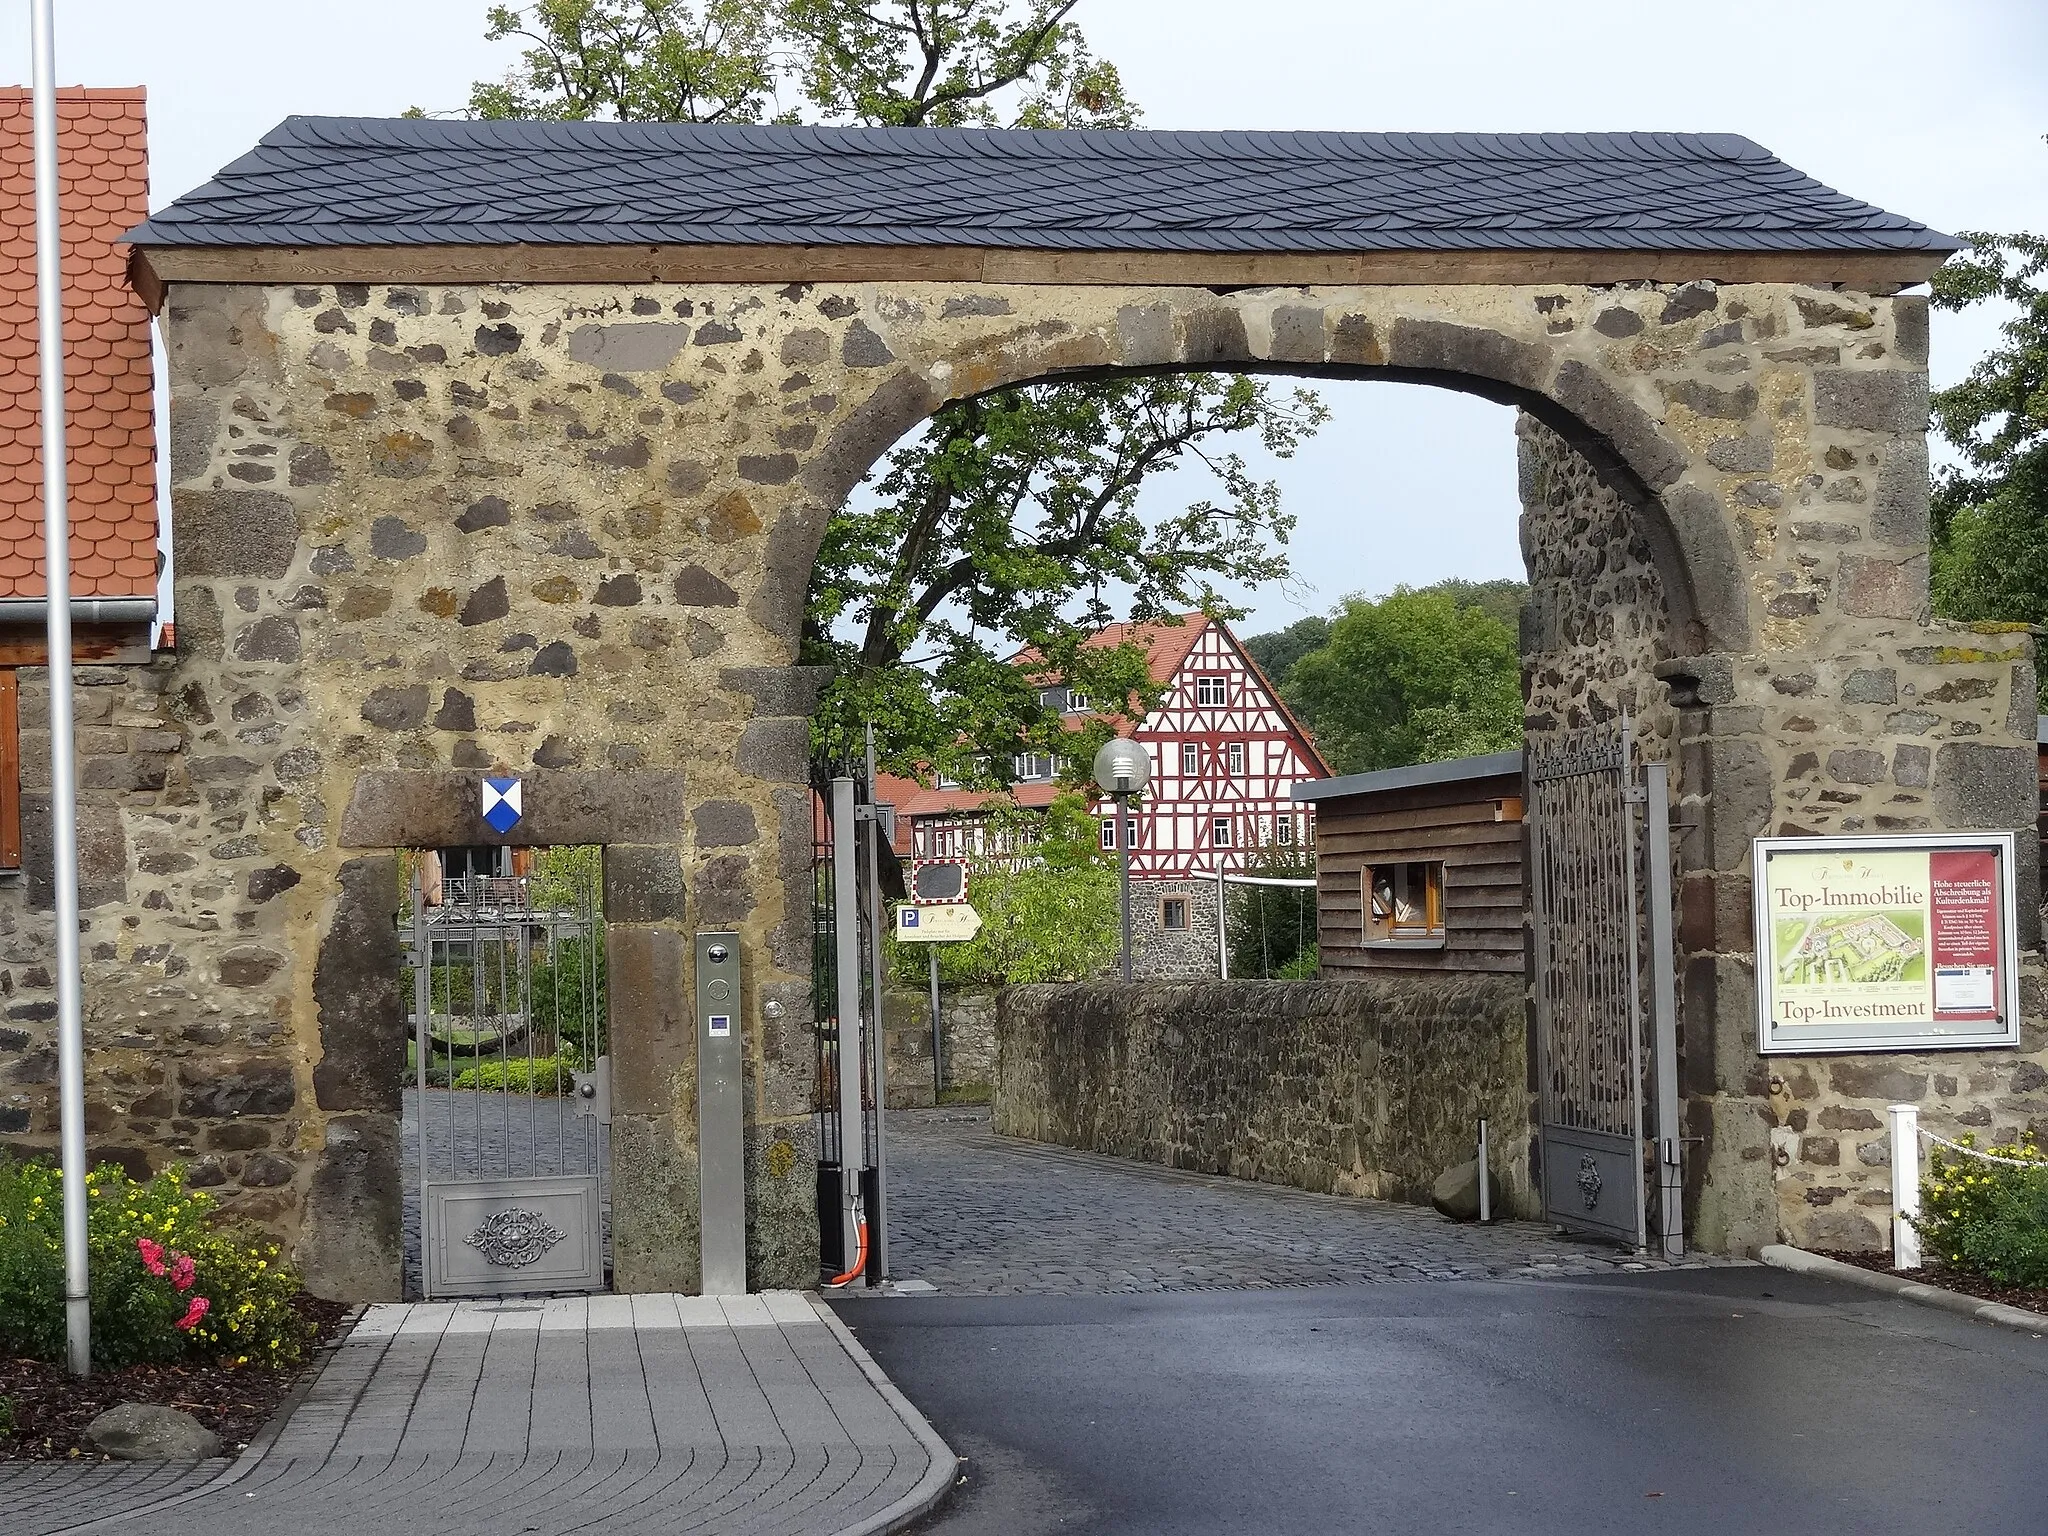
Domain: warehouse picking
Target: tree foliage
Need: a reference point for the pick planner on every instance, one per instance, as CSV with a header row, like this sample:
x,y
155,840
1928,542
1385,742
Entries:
x,y
1413,677
1271,929
1011,521
1049,911
1990,511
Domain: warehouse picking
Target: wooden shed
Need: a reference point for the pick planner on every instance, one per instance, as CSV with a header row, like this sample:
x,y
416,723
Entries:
x,y
1420,868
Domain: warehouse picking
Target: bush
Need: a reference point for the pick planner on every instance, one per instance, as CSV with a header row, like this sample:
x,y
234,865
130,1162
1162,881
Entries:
x,y
168,1281
520,1074
1988,1219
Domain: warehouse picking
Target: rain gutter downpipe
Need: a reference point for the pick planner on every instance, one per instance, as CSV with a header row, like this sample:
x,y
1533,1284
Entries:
x,y
63,787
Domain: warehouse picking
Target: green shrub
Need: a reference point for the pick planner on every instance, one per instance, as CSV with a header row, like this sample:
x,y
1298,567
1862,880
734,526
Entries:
x,y
520,1074
168,1281
6,1417
1988,1219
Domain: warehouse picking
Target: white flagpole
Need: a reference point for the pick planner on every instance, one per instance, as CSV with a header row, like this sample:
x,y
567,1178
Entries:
x,y
63,791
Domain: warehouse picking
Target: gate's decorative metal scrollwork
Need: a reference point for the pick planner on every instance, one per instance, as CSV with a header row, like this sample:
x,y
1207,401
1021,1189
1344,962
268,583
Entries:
x,y
1588,980
514,1239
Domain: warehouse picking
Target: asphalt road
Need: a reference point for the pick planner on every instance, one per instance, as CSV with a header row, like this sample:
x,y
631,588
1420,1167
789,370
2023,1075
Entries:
x,y
1719,1401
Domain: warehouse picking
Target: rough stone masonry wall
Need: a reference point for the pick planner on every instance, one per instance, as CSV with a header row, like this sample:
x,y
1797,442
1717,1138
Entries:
x,y
565,530
967,1042
1371,1086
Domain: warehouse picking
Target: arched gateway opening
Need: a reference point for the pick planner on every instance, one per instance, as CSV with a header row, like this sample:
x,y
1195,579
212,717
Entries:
x,y
536,493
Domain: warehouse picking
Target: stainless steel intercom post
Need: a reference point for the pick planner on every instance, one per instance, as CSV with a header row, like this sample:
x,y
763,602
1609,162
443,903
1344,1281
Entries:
x,y
721,1148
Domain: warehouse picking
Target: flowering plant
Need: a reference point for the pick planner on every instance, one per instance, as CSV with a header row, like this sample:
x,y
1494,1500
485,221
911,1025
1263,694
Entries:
x,y
1985,1218
169,1280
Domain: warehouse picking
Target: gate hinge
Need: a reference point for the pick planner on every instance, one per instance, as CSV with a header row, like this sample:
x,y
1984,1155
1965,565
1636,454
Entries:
x,y
881,811
594,1091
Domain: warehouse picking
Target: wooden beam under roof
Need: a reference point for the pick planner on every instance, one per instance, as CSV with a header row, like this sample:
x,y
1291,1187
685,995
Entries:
x,y
155,267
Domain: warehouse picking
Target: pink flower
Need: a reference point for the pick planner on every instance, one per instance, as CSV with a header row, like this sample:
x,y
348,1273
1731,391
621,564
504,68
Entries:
x,y
183,1271
194,1312
152,1255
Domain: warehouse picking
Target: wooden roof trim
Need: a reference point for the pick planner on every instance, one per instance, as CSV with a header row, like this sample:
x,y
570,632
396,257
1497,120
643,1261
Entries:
x,y
155,266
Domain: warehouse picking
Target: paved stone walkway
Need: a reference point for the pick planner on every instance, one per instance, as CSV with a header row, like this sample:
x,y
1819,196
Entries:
x,y
607,1414
979,1214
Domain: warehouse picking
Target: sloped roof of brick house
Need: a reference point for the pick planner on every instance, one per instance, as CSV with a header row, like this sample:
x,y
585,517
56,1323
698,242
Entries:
x,y
103,167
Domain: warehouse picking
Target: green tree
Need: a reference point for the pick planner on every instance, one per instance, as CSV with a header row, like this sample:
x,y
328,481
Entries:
x,y
1048,903
1271,929
1990,510
1010,521
1278,650
1413,677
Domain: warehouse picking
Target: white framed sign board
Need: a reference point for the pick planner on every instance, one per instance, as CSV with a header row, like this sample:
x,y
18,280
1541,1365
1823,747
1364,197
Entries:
x,y
1905,943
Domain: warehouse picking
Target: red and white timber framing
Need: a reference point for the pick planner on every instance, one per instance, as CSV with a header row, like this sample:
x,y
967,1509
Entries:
x,y
1226,754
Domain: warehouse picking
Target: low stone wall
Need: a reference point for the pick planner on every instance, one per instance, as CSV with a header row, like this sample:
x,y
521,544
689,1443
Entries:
x,y
1370,1086
967,1042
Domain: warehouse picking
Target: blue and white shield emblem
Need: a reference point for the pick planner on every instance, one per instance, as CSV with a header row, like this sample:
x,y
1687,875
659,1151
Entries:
x,y
501,805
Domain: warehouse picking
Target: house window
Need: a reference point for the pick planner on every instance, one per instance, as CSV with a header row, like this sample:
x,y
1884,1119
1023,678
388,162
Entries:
x,y
1220,830
1405,903
1236,750
1109,834
1173,913
1032,765
1077,703
1283,831
1131,832
1190,759
1211,691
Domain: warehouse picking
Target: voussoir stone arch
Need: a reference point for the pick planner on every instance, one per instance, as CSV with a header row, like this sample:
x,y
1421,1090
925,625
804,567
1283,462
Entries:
x,y
1329,337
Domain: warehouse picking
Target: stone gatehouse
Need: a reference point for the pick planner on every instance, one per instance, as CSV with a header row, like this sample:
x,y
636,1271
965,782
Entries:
x,y
541,493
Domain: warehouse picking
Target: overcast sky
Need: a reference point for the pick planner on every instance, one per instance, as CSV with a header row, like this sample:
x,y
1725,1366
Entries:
x,y
1931,110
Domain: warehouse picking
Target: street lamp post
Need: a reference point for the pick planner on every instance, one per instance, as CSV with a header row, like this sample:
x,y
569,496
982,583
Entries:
x,y
1122,770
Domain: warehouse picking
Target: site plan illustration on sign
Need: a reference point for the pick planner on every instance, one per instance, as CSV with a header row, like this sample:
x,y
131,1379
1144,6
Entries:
x,y
1885,943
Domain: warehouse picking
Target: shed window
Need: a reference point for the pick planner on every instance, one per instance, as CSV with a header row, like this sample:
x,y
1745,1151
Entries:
x,y
1173,913
1406,903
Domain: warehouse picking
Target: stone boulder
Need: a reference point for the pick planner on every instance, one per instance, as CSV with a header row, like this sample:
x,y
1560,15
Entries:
x,y
151,1432
1456,1192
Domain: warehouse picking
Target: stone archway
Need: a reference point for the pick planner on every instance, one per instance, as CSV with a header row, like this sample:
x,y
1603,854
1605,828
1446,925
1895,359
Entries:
x,y
550,506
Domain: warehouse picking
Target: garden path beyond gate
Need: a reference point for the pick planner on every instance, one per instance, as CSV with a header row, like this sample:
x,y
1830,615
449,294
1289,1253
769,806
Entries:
x,y
510,1086
1606,1016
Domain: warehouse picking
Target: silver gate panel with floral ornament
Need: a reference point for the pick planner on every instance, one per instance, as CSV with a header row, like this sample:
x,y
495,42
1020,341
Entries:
x,y
1603,971
508,1105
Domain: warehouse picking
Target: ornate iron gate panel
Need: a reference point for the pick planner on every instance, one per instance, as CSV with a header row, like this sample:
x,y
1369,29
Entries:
x,y
510,1085
1588,982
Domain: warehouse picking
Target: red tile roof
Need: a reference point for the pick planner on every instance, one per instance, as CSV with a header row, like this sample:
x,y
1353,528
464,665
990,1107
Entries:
x,y
1166,643
103,171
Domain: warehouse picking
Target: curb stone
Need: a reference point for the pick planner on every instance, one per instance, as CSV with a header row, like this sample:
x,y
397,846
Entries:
x,y
938,1479
1798,1260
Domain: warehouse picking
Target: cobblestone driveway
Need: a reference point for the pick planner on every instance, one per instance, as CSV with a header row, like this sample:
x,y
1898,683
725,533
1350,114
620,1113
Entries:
x,y
976,1214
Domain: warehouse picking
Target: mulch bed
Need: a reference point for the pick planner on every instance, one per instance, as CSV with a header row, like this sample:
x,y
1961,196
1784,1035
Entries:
x,y
2029,1298
52,1407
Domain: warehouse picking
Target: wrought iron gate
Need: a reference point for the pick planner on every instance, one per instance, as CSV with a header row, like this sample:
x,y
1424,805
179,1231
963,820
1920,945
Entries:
x,y
1605,995
510,1098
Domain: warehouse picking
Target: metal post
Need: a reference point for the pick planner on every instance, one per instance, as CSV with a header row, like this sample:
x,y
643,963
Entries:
x,y
1664,1013
1485,1194
63,788
933,951
1123,837
1905,1120
846,971
878,1218
1222,941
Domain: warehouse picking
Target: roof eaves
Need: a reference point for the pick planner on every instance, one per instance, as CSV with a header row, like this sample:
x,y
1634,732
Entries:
x,y
1457,770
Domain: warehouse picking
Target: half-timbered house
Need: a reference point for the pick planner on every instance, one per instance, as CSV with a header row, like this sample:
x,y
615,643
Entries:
x,y
1226,755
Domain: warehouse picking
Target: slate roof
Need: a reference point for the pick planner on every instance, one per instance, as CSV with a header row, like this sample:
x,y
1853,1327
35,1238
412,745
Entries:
x,y
103,188
377,181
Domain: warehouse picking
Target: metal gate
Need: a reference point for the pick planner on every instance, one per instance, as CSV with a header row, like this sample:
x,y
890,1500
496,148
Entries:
x,y
854,873
1606,1019
510,1090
